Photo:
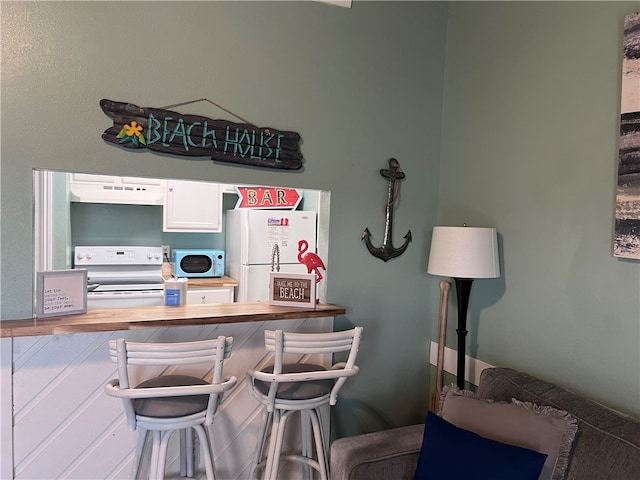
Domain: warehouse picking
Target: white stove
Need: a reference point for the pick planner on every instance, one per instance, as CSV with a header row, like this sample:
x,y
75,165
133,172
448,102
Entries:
x,y
121,276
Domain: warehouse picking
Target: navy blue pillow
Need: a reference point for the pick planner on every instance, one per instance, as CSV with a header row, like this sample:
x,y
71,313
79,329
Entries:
x,y
452,453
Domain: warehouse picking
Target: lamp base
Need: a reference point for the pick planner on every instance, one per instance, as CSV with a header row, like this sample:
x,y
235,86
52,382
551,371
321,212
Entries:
x,y
463,291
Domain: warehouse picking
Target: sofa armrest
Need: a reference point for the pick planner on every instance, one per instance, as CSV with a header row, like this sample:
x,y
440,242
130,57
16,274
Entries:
x,y
377,456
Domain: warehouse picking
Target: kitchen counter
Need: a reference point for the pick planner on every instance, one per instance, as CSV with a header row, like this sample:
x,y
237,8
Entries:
x,y
112,319
211,282
223,281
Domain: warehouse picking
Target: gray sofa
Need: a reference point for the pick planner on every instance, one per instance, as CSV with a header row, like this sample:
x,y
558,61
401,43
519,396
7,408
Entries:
x,y
606,445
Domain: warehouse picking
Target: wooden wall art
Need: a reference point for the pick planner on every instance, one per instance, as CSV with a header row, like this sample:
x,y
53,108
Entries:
x,y
626,242
166,131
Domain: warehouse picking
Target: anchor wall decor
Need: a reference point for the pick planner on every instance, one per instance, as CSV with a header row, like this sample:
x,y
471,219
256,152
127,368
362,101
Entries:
x,y
387,251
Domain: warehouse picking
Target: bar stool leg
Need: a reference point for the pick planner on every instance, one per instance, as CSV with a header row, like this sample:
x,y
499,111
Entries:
x,y
155,454
205,447
183,453
186,452
275,420
275,444
325,438
317,433
263,432
307,445
162,455
141,443
284,416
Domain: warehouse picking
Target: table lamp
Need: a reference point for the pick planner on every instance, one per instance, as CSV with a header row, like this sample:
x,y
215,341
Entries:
x,y
465,254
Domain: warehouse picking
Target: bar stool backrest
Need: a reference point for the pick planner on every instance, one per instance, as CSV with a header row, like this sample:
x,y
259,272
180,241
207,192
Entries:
x,y
282,343
126,354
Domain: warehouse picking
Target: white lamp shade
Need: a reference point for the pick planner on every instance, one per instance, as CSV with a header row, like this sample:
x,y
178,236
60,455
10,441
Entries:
x,y
464,252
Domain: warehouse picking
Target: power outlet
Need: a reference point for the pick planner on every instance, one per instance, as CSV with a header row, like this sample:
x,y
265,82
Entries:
x,y
166,253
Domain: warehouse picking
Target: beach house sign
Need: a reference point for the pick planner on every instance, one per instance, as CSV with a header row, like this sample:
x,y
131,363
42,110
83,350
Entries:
x,y
166,131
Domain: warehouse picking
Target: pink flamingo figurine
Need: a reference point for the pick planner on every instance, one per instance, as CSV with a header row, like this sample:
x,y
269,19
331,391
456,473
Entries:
x,y
311,260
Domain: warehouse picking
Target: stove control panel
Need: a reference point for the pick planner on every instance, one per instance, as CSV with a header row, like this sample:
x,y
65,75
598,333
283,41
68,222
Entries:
x,y
98,255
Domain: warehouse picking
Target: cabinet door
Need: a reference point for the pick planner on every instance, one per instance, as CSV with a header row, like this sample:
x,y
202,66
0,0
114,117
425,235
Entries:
x,y
197,296
192,207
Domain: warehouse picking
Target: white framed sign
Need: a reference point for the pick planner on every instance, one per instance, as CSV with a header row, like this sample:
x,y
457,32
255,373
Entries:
x,y
292,289
61,292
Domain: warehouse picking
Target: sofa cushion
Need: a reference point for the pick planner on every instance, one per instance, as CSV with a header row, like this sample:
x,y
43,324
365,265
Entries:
x,y
455,453
543,429
607,444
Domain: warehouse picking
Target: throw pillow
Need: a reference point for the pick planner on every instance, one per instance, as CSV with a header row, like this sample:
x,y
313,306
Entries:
x,y
543,429
452,453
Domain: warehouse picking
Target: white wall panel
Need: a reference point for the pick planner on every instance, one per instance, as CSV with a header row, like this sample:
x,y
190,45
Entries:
x,y
6,407
66,427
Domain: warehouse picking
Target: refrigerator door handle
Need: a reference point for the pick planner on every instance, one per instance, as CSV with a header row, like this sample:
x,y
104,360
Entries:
x,y
275,258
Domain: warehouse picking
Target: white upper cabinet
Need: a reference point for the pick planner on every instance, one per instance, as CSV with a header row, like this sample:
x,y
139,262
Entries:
x,y
191,206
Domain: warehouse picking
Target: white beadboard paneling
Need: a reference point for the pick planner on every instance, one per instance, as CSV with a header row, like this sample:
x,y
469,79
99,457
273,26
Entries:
x,y
66,427
472,366
6,414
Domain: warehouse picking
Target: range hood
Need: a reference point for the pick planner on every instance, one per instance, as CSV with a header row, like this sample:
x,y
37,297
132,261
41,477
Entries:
x,y
88,188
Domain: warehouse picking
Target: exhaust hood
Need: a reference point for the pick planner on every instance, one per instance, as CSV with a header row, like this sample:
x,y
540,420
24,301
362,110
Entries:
x,y
88,188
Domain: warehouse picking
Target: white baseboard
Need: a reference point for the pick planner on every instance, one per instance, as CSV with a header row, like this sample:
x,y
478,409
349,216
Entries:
x,y
472,366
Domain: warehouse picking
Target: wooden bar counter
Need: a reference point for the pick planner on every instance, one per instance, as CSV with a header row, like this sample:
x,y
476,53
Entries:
x,y
57,422
112,319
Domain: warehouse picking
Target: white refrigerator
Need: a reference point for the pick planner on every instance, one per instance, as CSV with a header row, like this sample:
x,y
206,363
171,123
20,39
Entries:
x,y
258,239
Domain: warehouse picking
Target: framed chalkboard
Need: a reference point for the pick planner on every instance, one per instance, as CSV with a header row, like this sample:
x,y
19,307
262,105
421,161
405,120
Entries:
x,y
61,292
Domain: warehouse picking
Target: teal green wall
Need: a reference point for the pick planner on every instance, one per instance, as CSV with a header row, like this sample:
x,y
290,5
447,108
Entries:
x,y
517,130
360,85
531,112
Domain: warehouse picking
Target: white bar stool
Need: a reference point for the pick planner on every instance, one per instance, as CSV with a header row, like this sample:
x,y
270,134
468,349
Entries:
x,y
161,405
284,389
